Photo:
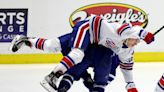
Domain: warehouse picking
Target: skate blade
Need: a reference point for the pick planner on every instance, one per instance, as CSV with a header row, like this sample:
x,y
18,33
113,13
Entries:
x,y
46,86
12,44
13,41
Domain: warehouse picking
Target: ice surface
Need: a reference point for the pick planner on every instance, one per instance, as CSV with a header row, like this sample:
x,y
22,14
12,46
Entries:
x,y
26,78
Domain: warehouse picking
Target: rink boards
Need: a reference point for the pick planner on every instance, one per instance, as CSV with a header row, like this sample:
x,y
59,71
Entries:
x,y
55,58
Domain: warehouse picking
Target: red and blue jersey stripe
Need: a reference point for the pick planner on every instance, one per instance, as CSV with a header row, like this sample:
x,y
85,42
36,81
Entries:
x,y
67,62
126,66
161,82
40,43
123,28
96,25
80,36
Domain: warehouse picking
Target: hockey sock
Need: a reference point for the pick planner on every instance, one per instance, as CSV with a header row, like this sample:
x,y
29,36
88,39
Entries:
x,y
110,78
65,83
64,65
67,62
37,43
98,88
88,82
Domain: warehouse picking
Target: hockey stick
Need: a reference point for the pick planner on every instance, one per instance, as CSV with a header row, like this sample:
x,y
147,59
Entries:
x,y
158,30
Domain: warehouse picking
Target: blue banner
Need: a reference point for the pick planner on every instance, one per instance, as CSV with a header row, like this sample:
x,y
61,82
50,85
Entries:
x,y
12,22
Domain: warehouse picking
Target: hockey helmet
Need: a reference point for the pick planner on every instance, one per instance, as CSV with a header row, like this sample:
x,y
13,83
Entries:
x,y
136,32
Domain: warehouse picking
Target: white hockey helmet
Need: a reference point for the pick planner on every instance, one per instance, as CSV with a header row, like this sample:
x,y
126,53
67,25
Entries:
x,y
136,32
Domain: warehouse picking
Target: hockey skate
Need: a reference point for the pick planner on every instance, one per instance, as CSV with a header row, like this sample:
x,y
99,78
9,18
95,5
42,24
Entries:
x,y
88,82
18,42
50,81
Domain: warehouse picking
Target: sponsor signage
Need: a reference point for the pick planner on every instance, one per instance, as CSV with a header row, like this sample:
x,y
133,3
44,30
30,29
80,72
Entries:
x,y
12,22
113,12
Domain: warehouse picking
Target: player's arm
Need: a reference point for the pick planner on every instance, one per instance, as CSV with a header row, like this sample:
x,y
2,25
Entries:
x,y
95,26
126,66
126,69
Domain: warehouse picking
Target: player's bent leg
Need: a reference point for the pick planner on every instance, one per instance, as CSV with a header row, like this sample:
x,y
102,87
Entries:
x,y
100,86
66,63
74,57
18,42
49,45
101,78
76,72
114,65
68,79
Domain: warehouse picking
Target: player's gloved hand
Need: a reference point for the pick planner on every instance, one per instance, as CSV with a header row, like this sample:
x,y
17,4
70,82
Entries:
x,y
149,38
130,87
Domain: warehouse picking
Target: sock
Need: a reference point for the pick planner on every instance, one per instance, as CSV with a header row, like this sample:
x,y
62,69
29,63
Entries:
x,y
37,43
65,83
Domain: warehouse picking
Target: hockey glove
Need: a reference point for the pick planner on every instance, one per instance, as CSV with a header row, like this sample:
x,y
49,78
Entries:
x,y
149,38
130,87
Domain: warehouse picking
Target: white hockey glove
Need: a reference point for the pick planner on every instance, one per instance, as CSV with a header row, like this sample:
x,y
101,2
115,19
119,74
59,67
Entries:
x,y
130,87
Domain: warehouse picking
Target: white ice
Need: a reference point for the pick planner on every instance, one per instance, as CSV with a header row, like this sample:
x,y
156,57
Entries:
x,y
26,78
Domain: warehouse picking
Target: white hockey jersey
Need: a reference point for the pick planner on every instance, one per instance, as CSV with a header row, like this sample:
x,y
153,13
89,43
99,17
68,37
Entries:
x,y
112,35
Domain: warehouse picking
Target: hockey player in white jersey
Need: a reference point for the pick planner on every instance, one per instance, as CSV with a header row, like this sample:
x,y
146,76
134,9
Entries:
x,y
98,31
160,85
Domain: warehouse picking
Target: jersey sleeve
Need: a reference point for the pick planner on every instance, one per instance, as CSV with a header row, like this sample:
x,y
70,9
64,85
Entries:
x,y
127,71
128,75
95,25
126,66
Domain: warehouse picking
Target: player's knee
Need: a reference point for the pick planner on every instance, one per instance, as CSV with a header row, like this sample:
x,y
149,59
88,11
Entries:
x,y
52,45
76,55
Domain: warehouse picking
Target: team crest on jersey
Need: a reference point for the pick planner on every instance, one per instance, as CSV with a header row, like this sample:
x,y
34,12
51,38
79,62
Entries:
x,y
113,12
110,43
